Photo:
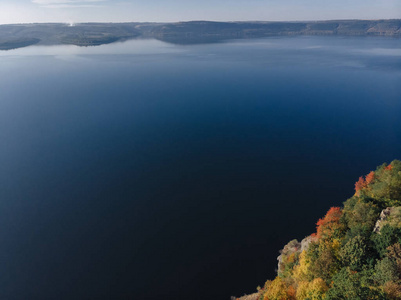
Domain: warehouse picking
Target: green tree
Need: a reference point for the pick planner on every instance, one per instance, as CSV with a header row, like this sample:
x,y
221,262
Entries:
x,y
354,253
388,236
386,270
349,284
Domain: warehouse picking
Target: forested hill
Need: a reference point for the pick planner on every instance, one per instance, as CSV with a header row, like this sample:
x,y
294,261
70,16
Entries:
x,y
355,252
198,30
92,34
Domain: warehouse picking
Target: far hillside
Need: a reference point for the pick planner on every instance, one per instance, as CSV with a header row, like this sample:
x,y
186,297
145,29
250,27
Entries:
x,y
94,34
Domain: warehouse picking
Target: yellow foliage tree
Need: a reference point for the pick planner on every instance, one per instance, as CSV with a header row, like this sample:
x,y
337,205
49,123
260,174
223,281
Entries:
x,y
302,270
317,289
314,290
302,290
277,290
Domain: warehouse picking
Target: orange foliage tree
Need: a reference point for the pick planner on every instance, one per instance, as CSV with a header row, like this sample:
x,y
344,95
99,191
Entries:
x,y
389,167
329,224
370,177
363,183
359,185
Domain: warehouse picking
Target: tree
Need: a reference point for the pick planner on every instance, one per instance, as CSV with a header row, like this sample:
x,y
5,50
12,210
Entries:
x,y
388,236
353,253
393,290
359,185
314,290
385,271
362,213
394,253
324,259
370,178
277,290
348,284
329,225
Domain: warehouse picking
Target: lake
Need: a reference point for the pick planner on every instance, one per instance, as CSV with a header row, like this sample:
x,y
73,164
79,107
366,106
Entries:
x,y
147,170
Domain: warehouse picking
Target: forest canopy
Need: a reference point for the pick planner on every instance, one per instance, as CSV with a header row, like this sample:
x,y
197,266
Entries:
x,y
355,252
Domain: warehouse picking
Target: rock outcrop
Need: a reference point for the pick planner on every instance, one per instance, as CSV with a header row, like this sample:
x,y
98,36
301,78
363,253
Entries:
x,y
389,216
383,217
293,247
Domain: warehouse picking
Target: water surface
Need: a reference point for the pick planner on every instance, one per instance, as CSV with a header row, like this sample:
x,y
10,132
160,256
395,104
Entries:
x,y
142,170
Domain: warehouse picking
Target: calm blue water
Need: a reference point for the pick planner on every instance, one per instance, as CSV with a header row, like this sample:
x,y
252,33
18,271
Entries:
x,y
146,170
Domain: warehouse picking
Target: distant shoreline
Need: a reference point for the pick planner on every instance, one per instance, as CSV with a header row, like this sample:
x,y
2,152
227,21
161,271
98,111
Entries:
x,y
200,20
192,32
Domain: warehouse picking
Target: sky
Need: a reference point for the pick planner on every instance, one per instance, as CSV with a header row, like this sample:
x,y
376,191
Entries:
x,y
73,11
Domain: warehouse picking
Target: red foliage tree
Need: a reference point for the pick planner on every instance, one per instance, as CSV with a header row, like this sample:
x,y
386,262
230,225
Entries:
x,y
326,226
388,168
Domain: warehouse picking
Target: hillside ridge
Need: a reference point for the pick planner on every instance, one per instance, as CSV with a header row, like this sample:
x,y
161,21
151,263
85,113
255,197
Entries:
x,y
93,34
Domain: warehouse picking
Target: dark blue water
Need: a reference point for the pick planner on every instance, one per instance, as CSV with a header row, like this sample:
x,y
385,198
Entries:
x,y
145,170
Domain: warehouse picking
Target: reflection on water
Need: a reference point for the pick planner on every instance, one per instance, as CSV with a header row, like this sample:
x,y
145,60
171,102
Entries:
x,y
354,52
135,46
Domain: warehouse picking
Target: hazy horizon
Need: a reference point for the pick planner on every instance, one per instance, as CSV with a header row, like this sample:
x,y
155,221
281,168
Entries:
x,y
118,11
194,20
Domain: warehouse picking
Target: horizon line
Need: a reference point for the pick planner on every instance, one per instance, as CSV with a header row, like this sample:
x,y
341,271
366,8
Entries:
x,y
211,21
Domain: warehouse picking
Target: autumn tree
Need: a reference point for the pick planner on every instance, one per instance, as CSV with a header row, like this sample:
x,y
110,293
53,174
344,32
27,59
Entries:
x,y
370,178
314,290
277,290
329,225
359,185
